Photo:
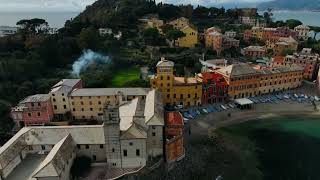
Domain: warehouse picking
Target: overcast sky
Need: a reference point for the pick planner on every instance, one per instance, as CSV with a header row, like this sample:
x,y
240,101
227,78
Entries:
x,y
79,5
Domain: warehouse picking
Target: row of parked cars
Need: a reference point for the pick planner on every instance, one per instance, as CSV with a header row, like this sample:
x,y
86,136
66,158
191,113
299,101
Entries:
x,y
194,112
298,97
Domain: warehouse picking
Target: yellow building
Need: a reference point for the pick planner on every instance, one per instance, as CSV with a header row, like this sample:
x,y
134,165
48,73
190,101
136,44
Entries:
x,y
191,33
191,38
180,23
280,79
88,103
176,90
155,23
282,45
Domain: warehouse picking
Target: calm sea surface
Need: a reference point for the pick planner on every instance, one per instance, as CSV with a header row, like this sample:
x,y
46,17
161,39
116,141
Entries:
x,y
306,17
55,19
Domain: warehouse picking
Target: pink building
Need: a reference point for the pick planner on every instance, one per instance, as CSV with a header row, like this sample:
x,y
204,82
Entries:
x,y
33,110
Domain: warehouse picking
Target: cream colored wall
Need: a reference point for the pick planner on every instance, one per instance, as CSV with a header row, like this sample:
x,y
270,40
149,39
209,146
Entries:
x,y
61,99
93,150
239,87
284,81
190,40
179,23
93,105
155,143
97,103
132,160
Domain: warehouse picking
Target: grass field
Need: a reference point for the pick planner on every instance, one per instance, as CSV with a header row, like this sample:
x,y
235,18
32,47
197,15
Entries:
x,y
123,77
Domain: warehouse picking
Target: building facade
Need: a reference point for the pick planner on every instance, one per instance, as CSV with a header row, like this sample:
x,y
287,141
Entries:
x,y
190,39
176,90
280,79
174,137
214,88
282,45
88,103
270,34
303,32
59,95
254,51
33,110
242,80
218,42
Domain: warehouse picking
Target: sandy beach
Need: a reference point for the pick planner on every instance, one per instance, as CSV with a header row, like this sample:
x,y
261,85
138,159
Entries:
x,y
202,124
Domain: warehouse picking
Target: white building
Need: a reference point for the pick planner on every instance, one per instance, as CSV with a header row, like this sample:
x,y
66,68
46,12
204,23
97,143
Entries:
x,y
7,30
230,34
131,134
105,31
247,20
303,32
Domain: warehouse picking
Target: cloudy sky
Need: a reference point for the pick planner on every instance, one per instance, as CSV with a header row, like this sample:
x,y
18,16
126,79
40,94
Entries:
x,y
44,5
79,5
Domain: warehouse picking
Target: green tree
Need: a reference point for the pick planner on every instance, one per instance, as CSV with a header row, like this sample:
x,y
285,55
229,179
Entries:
x,y
292,23
287,52
89,38
268,16
151,35
6,122
167,27
33,26
174,34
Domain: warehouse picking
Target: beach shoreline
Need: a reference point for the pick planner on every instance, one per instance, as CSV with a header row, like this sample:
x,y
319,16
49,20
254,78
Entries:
x,y
205,123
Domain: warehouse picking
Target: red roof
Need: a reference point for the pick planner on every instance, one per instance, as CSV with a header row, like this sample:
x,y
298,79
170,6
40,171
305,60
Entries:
x,y
174,118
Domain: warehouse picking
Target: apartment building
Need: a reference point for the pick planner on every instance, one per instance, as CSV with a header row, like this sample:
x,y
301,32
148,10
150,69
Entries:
x,y
184,91
282,45
191,32
59,94
33,110
270,34
230,34
280,78
306,59
303,32
218,42
254,51
242,80
88,103
214,88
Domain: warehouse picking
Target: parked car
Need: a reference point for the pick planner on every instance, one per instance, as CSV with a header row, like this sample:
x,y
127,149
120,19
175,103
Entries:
x,y
223,107
179,106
